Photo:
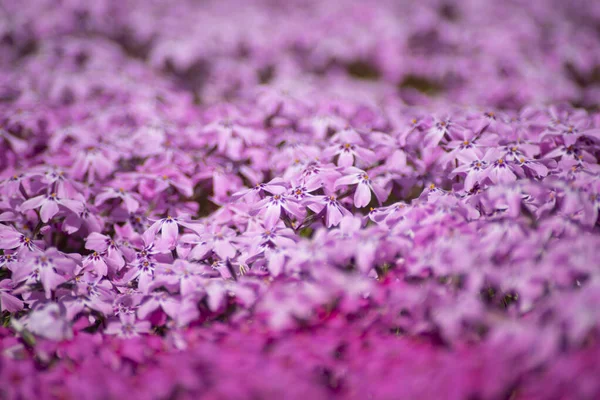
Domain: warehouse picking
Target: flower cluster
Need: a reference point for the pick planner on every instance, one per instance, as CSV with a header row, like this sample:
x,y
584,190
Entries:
x,y
242,217
475,52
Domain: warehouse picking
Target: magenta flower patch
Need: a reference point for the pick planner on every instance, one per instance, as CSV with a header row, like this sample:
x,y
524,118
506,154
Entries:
x,y
299,200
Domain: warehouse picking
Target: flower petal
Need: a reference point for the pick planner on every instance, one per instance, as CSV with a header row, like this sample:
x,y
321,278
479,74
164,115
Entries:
x,y
362,196
49,209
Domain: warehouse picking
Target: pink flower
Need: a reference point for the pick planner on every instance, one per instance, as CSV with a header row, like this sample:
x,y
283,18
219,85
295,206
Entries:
x,y
440,128
231,136
8,302
50,321
348,147
166,177
473,167
362,194
330,207
106,247
303,188
217,239
143,271
273,206
275,186
95,262
50,267
10,238
499,170
156,300
529,167
128,326
185,275
92,293
49,205
570,127
131,204
95,162
12,186
169,230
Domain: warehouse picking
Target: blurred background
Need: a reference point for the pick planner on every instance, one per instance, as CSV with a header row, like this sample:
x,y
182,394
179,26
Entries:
x,y
503,54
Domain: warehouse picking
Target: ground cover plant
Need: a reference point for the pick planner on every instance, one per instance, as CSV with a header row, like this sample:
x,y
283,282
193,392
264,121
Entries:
x,y
299,199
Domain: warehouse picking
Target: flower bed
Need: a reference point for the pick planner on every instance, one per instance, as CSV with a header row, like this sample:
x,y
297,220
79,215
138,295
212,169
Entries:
x,y
299,200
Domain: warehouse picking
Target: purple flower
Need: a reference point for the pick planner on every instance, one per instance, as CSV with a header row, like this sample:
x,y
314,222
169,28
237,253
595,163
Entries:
x,y
142,270
216,239
440,128
10,238
570,127
169,230
348,146
273,206
8,302
49,320
473,167
50,267
127,326
131,204
186,276
106,246
159,299
49,205
275,186
93,162
499,170
331,208
91,293
362,194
